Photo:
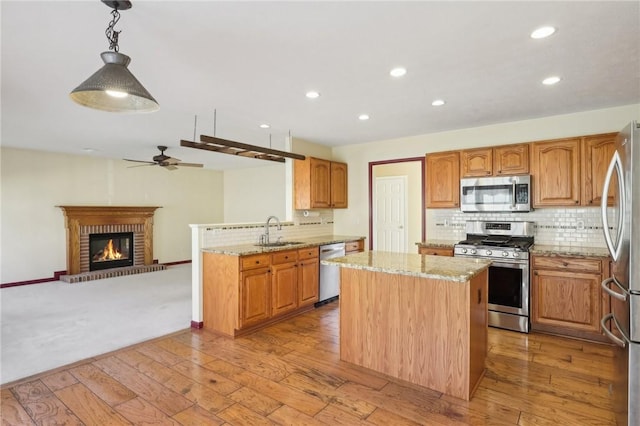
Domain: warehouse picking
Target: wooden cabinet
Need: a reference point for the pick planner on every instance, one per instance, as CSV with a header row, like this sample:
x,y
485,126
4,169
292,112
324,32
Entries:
x,y
284,283
436,251
597,151
319,183
555,167
247,292
308,276
511,160
354,246
339,185
499,161
476,162
255,294
566,297
442,180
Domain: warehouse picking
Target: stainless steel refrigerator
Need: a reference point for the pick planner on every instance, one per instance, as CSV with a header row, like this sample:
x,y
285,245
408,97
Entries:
x,y
621,224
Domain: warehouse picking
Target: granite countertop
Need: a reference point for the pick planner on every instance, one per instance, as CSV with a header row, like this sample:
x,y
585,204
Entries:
x,y
558,250
436,267
437,243
247,249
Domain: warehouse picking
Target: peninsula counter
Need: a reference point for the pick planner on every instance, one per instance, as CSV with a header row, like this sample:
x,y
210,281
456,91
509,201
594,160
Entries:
x,y
415,317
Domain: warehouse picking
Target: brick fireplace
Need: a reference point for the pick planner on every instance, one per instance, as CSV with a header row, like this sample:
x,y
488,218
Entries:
x,y
83,223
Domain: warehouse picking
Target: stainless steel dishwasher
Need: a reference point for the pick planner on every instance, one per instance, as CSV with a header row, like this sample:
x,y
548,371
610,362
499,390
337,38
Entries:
x,y
329,274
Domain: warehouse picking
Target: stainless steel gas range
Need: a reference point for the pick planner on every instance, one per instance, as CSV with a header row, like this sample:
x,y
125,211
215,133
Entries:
x,y
507,245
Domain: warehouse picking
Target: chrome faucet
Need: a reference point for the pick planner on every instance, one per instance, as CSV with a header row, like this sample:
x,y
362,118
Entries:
x,y
266,228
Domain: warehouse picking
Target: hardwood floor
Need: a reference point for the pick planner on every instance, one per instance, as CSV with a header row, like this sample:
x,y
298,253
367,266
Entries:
x,y
290,373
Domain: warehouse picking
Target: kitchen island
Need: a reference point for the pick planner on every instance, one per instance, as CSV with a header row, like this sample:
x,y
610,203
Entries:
x,y
415,317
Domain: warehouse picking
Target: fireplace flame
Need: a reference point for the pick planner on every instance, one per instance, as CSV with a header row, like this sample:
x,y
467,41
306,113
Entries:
x,y
108,253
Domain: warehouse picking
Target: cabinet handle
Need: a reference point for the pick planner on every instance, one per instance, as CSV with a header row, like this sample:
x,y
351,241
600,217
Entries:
x,y
479,296
577,201
535,272
565,264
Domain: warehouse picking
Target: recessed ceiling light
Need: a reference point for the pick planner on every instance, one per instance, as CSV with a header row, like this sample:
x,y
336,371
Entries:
x,y
398,72
550,81
363,117
312,94
264,126
543,32
437,102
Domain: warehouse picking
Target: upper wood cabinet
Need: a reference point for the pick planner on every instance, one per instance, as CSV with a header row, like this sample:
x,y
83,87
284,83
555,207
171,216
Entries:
x,y
442,180
511,160
597,151
476,162
319,183
555,167
499,161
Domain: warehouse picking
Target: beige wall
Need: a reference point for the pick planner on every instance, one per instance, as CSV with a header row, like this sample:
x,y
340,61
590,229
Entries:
x,y
252,195
33,183
355,219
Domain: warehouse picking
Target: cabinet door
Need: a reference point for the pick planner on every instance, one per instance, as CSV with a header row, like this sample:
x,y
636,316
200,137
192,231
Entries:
x,y
556,171
284,288
339,185
511,160
308,281
566,301
320,183
442,184
597,151
255,296
476,162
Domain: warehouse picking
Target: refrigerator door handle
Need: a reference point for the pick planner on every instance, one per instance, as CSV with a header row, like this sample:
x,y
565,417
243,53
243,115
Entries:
x,y
605,286
615,165
615,339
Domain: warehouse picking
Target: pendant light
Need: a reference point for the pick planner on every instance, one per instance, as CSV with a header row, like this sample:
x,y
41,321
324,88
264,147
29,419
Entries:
x,y
113,88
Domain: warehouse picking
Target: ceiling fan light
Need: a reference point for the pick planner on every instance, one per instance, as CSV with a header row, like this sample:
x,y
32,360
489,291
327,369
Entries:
x,y
114,77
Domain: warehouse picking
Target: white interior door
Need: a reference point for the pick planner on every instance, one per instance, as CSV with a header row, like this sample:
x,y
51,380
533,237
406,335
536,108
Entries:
x,y
390,214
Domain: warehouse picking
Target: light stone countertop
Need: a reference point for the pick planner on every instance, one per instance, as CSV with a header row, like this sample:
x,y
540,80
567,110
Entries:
x,y
248,249
423,266
558,250
437,243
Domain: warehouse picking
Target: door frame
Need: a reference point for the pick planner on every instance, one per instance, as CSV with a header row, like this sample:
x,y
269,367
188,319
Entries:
x,y
372,164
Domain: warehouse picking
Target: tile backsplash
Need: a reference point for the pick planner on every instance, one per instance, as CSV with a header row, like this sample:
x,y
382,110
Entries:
x,y
314,223
568,227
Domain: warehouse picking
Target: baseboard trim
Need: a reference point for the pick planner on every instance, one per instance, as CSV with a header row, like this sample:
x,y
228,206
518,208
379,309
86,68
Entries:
x,y
197,324
57,274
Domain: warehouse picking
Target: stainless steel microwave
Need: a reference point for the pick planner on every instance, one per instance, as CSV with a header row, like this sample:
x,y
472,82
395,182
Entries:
x,y
496,194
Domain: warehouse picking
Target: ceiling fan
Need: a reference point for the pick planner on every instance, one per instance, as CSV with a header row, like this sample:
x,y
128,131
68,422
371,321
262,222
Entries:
x,y
164,161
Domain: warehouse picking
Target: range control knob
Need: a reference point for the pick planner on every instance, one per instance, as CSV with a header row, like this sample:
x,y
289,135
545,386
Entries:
x,y
463,250
516,254
505,253
489,252
472,251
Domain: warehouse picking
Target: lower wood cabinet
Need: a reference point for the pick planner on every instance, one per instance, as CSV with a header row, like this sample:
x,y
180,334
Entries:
x,y
435,251
247,292
255,289
566,297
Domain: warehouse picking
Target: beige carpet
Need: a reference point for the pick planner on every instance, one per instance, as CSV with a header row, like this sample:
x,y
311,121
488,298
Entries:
x,y
48,325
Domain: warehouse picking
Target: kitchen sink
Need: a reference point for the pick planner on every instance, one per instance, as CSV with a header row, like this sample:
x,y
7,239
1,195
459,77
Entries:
x,y
280,244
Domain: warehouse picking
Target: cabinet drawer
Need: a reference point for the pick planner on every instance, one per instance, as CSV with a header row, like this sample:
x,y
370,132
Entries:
x,y
308,253
351,246
257,261
436,251
284,257
553,262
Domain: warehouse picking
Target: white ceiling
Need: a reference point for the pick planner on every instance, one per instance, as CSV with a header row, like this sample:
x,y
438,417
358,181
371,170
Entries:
x,y
254,61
